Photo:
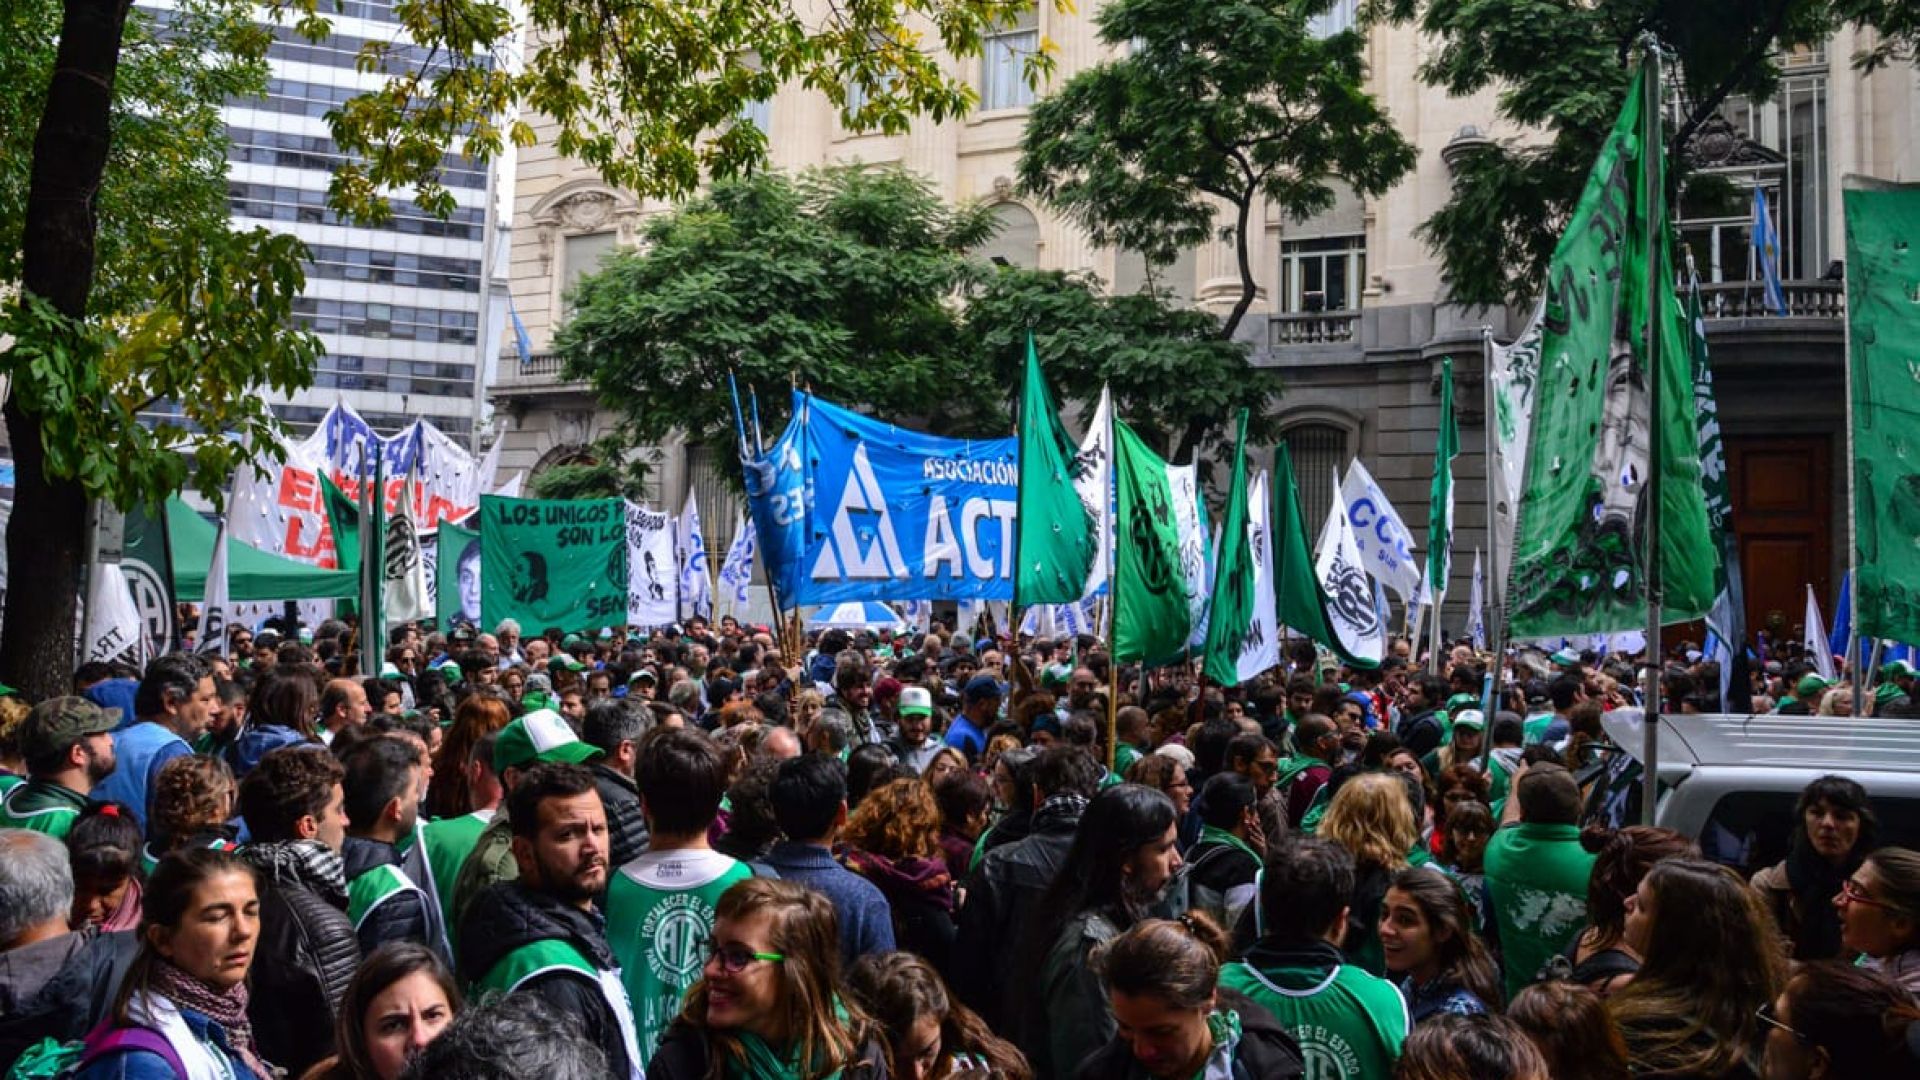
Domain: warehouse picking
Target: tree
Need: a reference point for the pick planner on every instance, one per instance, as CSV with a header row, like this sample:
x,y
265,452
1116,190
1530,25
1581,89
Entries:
x,y
606,473
135,297
1219,103
856,283
1562,73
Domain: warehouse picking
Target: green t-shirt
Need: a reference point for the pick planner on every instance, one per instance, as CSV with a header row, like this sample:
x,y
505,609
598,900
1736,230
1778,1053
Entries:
x,y
1350,1024
1535,729
1537,883
42,807
448,842
660,909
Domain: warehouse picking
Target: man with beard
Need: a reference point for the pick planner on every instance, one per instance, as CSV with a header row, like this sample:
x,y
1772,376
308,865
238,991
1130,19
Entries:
x,y
542,934
68,748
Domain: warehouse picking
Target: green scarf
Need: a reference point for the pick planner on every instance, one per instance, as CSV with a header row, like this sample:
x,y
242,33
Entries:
x,y
1223,1026
763,1062
1215,833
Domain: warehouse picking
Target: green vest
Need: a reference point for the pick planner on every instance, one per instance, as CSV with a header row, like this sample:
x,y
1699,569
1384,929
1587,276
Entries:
x,y
8,782
1537,882
1123,758
1350,1024
555,954
1534,729
41,806
448,842
376,887
660,909
1291,769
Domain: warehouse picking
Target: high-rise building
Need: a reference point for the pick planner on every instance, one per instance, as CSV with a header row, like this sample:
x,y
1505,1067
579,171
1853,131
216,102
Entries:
x,y
399,306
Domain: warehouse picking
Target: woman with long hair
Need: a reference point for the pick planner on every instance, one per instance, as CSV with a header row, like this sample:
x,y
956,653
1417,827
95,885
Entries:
x,y
182,1007
1711,959
282,708
1123,857
1880,914
1426,935
1835,1020
1834,829
1476,1047
192,805
449,793
930,1034
767,1005
1601,959
1174,1019
103,848
893,840
1570,1026
1456,785
400,1000
946,761
1372,817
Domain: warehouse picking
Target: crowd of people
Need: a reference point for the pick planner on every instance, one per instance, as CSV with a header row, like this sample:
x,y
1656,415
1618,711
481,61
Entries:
x,y
922,855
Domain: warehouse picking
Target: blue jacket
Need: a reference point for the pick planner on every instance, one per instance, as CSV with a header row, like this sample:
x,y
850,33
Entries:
x,y
139,750
865,917
256,742
146,1065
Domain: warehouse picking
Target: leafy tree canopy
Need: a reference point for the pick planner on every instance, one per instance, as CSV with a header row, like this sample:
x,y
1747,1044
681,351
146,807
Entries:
x,y
857,284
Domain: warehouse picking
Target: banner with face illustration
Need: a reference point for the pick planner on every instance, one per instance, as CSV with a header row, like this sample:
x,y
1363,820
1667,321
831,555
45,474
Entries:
x,y
653,596
555,563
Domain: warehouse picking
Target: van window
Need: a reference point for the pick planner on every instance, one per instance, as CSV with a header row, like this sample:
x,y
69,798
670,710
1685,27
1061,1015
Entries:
x,y
1749,831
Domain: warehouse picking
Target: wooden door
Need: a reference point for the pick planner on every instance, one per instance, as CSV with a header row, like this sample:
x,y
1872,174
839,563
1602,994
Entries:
x,y
1783,506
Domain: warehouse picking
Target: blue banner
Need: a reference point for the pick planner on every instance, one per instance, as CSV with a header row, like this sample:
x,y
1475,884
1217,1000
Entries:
x,y
848,508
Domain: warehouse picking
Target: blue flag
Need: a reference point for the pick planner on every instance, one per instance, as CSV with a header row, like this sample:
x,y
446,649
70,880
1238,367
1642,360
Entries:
x,y
522,344
1766,250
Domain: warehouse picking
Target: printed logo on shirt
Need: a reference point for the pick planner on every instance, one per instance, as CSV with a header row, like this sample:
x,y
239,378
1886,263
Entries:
x,y
1549,914
675,932
1326,1054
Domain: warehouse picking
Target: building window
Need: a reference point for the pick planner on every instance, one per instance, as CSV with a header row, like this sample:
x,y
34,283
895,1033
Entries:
x,y
759,114
1003,63
1017,240
583,255
1322,274
1340,16
1318,452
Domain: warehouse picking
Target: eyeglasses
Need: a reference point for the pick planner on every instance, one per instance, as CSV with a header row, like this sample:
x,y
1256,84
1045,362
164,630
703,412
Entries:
x,y
1765,1015
1852,893
735,959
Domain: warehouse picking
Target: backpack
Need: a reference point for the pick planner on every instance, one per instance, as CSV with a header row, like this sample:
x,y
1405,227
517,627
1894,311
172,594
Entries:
x,y
50,1059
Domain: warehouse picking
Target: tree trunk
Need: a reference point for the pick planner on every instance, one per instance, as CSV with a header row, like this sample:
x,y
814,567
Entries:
x,y
47,529
1197,427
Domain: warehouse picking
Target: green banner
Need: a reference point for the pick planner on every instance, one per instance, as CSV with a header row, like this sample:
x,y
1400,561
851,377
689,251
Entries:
x,y
553,563
1440,495
1296,585
1232,615
1151,619
1579,548
456,586
1056,541
1883,324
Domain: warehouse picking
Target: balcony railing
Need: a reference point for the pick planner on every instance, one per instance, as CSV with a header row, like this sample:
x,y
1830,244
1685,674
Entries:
x,y
1317,328
544,363
1748,300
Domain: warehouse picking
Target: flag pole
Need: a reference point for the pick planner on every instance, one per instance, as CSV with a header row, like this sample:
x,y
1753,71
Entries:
x,y
1493,591
1112,555
369,645
1652,186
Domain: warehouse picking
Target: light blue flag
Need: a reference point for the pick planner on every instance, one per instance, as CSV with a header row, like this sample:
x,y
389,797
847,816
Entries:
x,y
1766,249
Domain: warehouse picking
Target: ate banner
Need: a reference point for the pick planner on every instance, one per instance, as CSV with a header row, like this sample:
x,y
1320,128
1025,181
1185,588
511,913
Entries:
x,y
652,582
848,508
553,563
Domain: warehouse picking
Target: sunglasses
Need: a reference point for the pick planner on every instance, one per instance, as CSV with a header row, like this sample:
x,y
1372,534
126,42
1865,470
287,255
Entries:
x,y
1765,1015
734,959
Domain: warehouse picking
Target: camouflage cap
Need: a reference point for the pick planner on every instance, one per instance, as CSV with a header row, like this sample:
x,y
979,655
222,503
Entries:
x,y
58,723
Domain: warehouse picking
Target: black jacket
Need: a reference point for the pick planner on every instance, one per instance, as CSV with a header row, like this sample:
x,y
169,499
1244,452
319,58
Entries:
x,y
626,828
410,916
1002,893
306,956
683,1056
1214,870
508,916
1422,733
1266,1050
60,988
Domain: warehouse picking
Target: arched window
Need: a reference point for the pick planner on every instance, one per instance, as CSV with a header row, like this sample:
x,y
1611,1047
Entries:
x,y
1018,238
1318,451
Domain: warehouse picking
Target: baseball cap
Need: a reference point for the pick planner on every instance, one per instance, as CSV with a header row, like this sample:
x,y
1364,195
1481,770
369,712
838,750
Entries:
x,y
981,687
1462,701
645,674
1470,718
540,736
1810,684
916,701
1886,692
57,724
886,689
562,660
1896,669
1565,657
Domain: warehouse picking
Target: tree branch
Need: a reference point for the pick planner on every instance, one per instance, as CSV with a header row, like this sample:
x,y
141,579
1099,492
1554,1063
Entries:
x,y
1756,53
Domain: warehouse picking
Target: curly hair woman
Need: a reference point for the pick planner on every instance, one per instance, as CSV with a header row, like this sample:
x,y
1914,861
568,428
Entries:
x,y
1372,817
893,840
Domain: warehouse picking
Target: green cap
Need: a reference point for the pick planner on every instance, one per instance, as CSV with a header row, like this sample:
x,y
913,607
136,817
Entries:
x,y
1463,700
1897,669
6,690
539,736
1472,719
1565,658
1886,692
1809,685
571,640
562,660
56,724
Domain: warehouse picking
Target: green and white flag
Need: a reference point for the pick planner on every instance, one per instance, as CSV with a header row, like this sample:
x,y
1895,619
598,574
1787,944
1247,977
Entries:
x,y
1440,504
1515,372
1883,232
1196,549
1302,605
1151,617
1059,532
554,562
1243,631
1579,559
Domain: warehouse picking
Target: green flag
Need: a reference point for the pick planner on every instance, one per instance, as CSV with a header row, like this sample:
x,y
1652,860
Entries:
x,y
1883,228
553,562
1151,620
343,521
1056,540
456,586
1579,547
1242,638
1440,505
1302,602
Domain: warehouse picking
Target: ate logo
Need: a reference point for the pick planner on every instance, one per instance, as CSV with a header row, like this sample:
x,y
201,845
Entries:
x,y
860,542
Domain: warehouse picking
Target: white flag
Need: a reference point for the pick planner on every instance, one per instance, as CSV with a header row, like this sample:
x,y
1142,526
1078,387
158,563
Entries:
x,y
652,584
1350,607
1196,554
1093,482
215,609
511,489
690,552
1385,545
404,593
1817,640
488,477
1515,371
113,622
736,573
1261,650
1476,600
